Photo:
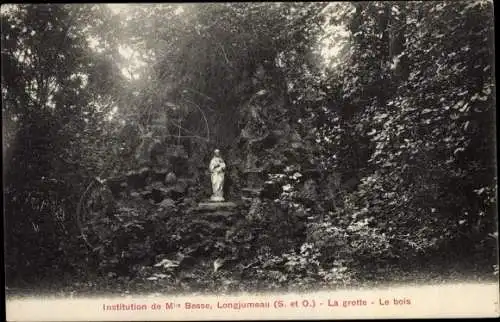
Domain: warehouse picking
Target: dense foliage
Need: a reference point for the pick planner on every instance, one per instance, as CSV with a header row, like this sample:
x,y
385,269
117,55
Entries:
x,y
365,131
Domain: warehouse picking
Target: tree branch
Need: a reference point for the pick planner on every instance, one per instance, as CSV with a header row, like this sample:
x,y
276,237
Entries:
x,y
188,136
79,210
180,127
198,92
204,117
225,55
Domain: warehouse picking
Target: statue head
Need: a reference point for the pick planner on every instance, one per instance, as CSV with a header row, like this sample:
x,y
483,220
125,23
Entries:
x,y
217,152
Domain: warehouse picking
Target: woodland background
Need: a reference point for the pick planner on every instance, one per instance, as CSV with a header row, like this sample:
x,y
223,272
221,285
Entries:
x,y
372,122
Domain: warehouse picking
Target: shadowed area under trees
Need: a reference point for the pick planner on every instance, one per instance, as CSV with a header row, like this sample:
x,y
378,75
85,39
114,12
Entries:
x,y
359,140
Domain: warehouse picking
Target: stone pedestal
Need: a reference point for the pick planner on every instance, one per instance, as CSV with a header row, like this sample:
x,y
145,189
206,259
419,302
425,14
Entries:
x,y
217,199
215,218
216,211
254,179
214,206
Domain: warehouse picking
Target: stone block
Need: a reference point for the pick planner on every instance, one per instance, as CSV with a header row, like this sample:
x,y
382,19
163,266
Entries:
x,y
215,206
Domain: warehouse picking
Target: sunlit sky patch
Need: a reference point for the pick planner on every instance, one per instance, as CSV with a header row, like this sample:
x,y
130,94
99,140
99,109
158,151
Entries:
x,y
329,47
119,7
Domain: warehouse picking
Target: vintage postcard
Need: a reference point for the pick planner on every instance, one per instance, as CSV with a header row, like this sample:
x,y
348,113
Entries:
x,y
249,160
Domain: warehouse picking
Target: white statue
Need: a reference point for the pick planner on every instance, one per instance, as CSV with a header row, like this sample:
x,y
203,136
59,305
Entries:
x,y
217,167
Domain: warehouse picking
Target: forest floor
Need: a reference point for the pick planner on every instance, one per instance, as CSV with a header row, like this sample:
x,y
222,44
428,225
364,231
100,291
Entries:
x,y
201,280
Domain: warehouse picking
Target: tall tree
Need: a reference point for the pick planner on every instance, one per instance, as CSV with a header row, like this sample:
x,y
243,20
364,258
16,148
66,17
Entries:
x,y
56,92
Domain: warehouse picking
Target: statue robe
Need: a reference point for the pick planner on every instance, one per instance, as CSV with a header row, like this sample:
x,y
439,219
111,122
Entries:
x,y
217,167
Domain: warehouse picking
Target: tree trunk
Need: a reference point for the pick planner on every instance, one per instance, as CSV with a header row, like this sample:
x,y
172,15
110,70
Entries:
x,y
397,42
